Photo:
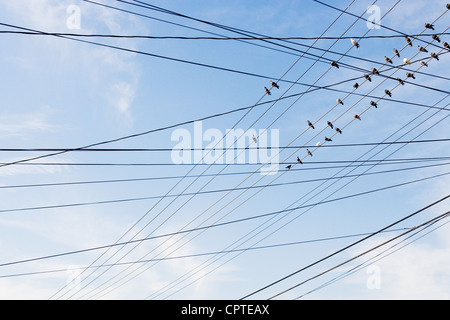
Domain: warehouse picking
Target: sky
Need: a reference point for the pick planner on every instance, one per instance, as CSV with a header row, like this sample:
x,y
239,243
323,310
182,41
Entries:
x,y
63,93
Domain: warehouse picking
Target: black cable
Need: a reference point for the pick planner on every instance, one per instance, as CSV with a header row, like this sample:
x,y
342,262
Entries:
x,y
222,223
346,247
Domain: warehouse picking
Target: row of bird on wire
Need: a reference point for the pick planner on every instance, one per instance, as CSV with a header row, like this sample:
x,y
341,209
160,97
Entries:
x,y
368,77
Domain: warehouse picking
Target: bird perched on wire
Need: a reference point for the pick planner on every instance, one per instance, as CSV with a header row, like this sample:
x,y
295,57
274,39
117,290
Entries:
x,y
338,130
446,45
429,26
436,37
397,53
422,49
267,91
339,101
387,60
368,77
423,63
357,117
254,139
309,152
410,75
375,71
401,81
448,6
328,139
407,61
435,56
355,43
318,144
299,161
334,64
356,85
289,167
330,124
274,85
310,124
408,41
373,104
388,93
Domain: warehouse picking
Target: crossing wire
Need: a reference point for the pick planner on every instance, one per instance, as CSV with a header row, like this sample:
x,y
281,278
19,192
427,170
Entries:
x,y
258,119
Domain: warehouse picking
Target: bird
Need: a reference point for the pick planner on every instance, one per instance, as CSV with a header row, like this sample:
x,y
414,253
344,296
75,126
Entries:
x,y
422,49
423,63
448,6
435,56
446,45
328,139
254,139
309,152
357,117
267,91
387,60
355,43
299,161
407,61
330,124
401,81
408,41
338,130
388,92
318,144
410,75
375,71
436,37
334,64
429,26
356,85
310,124
339,101
396,53
273,84
373,104
289,167
368,77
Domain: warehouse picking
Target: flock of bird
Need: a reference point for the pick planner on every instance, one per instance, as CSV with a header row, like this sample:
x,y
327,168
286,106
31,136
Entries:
x,y
368,77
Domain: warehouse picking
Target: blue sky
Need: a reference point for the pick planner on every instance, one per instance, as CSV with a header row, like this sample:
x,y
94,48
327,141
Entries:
x,y
59,93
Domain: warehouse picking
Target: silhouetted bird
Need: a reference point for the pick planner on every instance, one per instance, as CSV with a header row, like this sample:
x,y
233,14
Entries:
x,y
422,49
388,92
339,101
334,64
310,124
396,53
309,152
435,56
387,60
289,167
338,130
356,85
330,124
436,37
401,81
368,77
375,71
328,139
408,41
373,104
423,63
273,84
357,117
446,45
355,43
299,161
410,75
267,91
429,26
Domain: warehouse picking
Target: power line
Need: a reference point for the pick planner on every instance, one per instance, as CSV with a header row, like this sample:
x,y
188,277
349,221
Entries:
x,y
346,247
